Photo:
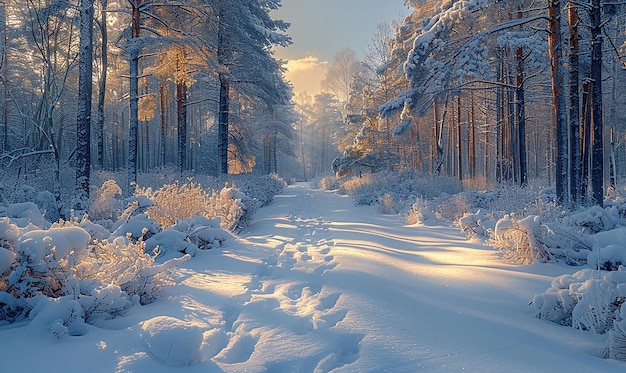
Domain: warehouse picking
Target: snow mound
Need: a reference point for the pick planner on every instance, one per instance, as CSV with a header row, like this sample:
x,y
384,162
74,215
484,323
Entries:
x,y
25,213
35,244
171,341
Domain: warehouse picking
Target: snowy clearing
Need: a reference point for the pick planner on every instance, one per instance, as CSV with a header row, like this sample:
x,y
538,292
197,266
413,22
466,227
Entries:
x,y
317,285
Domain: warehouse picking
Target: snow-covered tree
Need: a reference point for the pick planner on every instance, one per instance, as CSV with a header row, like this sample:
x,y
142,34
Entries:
x,y
245,34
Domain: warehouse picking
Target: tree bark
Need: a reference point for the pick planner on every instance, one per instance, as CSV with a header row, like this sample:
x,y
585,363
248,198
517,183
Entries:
x,y
5,82
181,106
83,114
459,146
556,72
521,115
224,108
574,109
102,86
597,151
133,99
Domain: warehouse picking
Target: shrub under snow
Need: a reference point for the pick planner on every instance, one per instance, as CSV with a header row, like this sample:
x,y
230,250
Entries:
x,y
174,202
587,300
61,279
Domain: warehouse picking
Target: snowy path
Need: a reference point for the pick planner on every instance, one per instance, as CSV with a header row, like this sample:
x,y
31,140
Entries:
x,y
348,289
318,285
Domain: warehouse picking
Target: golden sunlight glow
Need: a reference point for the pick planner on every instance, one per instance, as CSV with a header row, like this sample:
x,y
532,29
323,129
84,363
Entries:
x,y
306,74
221,283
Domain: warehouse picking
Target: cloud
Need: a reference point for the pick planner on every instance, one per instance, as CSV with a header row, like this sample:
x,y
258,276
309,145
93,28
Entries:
x,y
306,74
306,64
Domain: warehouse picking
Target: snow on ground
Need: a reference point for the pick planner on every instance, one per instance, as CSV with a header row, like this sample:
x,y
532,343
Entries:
x,y
317,285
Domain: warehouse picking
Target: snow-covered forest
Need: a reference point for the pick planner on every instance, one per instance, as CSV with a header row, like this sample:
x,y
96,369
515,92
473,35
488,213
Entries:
x,y
144,144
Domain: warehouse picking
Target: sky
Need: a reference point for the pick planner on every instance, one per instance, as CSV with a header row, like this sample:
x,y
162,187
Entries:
x,y
320,28
316,284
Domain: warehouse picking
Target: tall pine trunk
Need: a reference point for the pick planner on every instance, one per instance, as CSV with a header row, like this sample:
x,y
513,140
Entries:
x,y
83,114
459,142
135,47
181,106
102,86
224,108
162,120
574,109
5,82
560,117
597,151
520,108
586,135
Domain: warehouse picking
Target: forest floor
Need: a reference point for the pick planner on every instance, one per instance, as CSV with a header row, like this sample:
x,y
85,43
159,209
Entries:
x,y
318,285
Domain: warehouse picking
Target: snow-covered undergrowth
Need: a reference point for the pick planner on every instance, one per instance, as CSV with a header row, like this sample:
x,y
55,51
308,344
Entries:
x,y
393,192
527,226
72,273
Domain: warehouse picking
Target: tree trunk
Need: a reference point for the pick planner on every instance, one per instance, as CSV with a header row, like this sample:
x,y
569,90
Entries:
x,y
597,151
459,146
83,113
181,108
102,86
162,119
499,106
5,82
472,146
556,71
574,109
274,157
521,115
586,137
133,99
224,108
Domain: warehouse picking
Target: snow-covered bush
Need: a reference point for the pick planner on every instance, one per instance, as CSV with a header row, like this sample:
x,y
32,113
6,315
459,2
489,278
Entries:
x,y
263,188
25,214
616,340
398,191
476,224
593,220
529,239
419,212
588,300
106,203
328,183
59,275
173,202
235,209
188,236
178,201
433,187
140,226
452,207
520,240
363,190
202,232
127,265
25,193
387,205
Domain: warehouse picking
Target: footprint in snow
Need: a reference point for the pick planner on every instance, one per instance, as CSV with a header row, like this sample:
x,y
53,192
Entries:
x,y
348,351
322,269
239,349
328,301
330,319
